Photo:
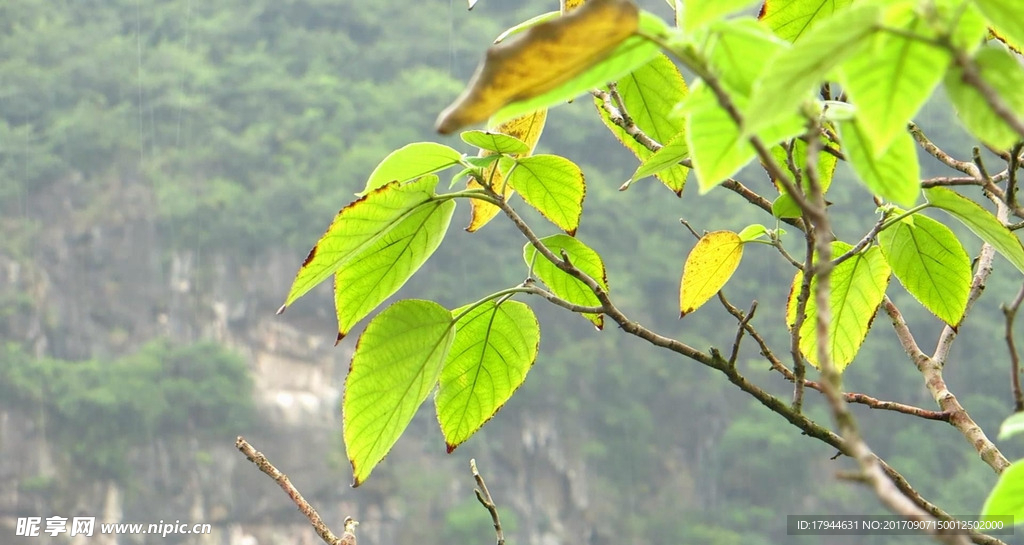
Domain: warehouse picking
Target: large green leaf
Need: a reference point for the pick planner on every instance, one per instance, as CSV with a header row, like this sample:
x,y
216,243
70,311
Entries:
x,y
858,286
738,50
794,72
1004,74
494,348
894,174
559,282
701,13
357,227
1007,498
380,270
889,85
1007,16
789,19
980,221
554,186
931,264
649,95
718,149
410,162
396,364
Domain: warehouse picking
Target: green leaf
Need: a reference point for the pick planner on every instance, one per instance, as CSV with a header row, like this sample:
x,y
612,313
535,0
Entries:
x,y
711,264
858,286
738,50
786,207
527,24
1005,75
396,364
1007,16
891,82
649,95
1007,498
894,174
701,13
931,264
495,141
494,348
411,162
667,157
1014,425
357,227
793,73
753,232
980,221
789,19
826,166
717,148
377,272
559,282
554,186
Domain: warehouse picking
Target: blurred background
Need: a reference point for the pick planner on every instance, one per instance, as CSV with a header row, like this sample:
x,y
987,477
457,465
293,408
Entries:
x,y
165,166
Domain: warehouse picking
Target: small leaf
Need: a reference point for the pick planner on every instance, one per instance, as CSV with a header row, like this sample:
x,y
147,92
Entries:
x,y
667,157
554,186
789,19
559,282
357,227
396,364
1007,498
649,95
1003,74
890,85
711,263
552,62
858,286
931,264
495,141
786,207
894,174
1014,425
411,162
753,232
526,128
377,272
794,72
980,221
494,348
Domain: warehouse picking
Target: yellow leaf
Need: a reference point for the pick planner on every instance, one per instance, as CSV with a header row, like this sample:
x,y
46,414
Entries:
x,y
540,59
526,128
708,267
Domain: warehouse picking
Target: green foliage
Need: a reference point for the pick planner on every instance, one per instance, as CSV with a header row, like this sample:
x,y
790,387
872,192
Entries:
x,y
98,411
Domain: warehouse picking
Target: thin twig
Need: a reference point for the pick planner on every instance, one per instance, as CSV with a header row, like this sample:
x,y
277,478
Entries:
x,y
281,479
744,322
1010,313
484,497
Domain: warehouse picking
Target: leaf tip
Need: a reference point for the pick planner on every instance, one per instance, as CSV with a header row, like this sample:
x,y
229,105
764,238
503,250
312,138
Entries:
x,y
450,447
341,336
281,310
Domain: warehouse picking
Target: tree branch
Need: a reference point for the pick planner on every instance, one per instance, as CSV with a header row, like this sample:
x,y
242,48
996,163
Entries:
x,y
1010,313
282,480
484,497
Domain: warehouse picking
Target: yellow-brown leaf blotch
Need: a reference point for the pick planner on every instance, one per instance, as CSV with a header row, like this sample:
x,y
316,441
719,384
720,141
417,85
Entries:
x,y
540,59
